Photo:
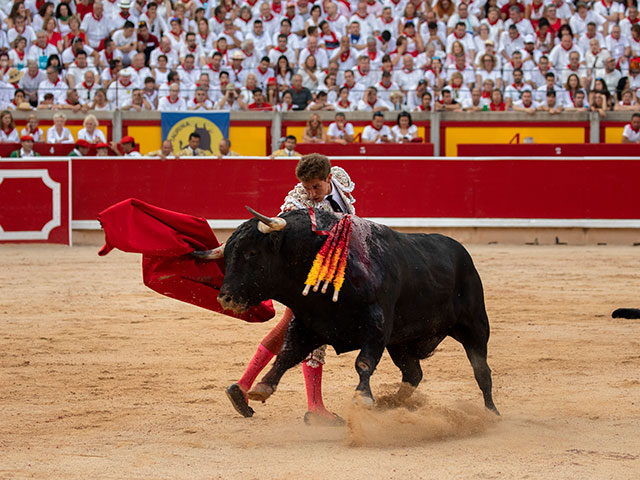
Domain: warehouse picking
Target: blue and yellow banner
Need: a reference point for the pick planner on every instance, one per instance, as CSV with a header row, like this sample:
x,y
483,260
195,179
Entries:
x,y
212,127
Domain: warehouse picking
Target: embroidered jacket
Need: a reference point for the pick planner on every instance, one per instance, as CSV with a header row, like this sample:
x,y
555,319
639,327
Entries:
x,y
341,183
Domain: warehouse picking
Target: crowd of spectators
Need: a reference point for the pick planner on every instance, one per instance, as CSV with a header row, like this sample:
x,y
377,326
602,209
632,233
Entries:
x,y
366,55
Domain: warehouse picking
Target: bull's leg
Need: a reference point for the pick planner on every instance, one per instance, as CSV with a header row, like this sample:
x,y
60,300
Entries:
x,y
474,338
370,354
298,344
409,365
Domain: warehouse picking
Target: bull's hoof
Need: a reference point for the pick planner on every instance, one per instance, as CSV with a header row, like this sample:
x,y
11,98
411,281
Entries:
x,y
261,392
404,392
361,399
238,400
314,419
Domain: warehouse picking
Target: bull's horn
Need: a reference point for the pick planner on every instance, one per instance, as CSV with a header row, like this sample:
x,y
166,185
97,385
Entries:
x,y
215,254
268,224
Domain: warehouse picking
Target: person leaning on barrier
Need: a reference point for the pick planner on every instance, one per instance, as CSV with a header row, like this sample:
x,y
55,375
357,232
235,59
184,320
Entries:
x,y
166,151
340,131
224,147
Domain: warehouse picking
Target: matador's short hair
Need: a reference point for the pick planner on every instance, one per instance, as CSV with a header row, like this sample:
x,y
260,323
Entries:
x,y
313,166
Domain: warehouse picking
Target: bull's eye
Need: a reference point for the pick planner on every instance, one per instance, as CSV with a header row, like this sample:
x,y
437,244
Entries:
x,y
249,254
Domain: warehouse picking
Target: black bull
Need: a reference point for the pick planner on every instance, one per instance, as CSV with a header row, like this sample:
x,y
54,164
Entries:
x,y
402,292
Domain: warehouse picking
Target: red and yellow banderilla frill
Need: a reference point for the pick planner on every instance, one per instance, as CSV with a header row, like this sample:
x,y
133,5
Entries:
x,y
331,261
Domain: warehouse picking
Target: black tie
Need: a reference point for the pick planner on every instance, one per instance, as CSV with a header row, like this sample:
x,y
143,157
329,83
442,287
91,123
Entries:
x,y
334,205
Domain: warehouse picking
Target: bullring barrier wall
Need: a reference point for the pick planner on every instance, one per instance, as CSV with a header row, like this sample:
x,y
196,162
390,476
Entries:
x,y
259,133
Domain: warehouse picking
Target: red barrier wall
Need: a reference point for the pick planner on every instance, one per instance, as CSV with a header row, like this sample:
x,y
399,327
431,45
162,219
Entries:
x,y
34,200
548,150
402,188
370,149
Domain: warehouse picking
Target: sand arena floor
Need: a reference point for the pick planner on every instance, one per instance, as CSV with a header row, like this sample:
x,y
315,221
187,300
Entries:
x,y
102,378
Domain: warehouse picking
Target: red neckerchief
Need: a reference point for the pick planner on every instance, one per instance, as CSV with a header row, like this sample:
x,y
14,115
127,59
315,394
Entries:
x,y
84,84
422,107
263,72
360,72
219,21
20,55
497,108
344,57
277,49
536,8
631,126
384,21
349,87
363,18
173,101
633,22
195,47
176,35
455,34
127,17
374,127
213,69
485,94
125,84
572,69
527,106
343,105
266,19
56,82
567,49
461,69
516,87
386,88
407,71
493,23
334,39
7,130
277,9
203,37
372,55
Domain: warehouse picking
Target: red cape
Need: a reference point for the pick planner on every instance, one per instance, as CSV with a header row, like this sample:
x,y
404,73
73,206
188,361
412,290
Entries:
x,y
165,239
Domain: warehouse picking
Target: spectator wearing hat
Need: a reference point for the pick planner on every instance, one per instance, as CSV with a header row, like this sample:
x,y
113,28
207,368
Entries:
x,y
127,144
172,102
82,148
8,132
53,84
26,149
96,25
32,129
119,92
103,150
90,131
59,133
377,132
124,15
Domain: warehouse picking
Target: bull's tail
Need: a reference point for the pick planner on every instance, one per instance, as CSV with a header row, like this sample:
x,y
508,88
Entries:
x,y
630,313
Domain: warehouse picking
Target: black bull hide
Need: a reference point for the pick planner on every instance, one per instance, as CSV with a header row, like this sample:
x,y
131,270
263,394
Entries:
x,y
402,292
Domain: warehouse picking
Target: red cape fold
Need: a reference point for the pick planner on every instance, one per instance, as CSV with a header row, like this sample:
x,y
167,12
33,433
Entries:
x,y
165,239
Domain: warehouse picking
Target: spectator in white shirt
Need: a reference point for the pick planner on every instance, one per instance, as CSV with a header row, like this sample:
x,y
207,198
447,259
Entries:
x,y
617,45
631,132
90,131
96,25
59,133
53,84
119,92
172,102
377,132
340,131
371,103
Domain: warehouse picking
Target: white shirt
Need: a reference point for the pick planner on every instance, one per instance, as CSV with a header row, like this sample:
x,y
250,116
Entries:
x,y
166,105
334,131
64,137
96,30
370,133
630,133
96,137
11,137
412,133
59,90
38,135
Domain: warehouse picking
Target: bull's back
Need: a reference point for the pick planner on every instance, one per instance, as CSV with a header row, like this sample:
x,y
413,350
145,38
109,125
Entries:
x,y
436,282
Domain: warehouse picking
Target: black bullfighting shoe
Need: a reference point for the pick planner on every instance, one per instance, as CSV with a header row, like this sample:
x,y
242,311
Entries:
x,y
238,400
314,419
